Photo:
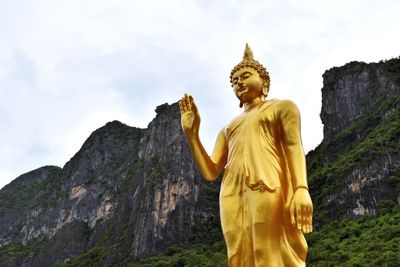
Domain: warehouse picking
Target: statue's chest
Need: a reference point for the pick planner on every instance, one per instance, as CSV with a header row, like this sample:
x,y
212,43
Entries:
x,y
252,126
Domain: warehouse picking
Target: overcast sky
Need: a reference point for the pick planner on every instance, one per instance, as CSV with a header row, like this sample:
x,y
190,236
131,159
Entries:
x,y
68,67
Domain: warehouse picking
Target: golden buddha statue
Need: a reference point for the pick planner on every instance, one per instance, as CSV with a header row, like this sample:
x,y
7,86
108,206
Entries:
x,y
265,205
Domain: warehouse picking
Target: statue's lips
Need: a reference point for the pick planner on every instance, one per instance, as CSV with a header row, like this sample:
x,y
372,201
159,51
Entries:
x,y
242,89
241,92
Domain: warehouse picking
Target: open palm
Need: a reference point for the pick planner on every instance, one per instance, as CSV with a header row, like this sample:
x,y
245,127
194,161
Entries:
x,y
190,117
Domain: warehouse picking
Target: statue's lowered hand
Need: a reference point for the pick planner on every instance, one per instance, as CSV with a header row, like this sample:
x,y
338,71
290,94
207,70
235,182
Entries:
x,y
301,209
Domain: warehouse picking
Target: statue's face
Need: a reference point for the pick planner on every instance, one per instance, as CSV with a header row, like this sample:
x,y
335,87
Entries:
x,y
247,84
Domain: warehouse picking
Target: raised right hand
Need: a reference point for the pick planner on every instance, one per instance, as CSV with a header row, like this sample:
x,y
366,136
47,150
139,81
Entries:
x,y
190,117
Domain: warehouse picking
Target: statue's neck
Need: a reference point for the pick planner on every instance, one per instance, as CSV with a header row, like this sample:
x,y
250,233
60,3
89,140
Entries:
x,y
253,103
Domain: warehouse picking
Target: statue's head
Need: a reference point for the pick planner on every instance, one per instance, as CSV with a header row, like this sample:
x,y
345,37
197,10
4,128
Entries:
x,y
249,62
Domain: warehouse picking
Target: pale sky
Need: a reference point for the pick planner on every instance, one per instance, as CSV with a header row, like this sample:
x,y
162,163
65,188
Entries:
x,y
68,67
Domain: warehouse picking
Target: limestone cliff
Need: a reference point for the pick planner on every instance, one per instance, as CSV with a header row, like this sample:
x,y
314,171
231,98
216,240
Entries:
x,y
127,193
357,166
354,91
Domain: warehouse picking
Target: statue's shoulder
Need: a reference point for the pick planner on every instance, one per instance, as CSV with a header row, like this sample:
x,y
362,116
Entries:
x,y
284,105
269,104
279,109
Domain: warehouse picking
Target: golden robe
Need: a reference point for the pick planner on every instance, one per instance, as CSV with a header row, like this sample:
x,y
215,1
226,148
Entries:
x,y
256,189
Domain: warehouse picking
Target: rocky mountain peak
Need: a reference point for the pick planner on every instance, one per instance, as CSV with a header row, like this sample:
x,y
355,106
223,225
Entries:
x,y
35,176
352,91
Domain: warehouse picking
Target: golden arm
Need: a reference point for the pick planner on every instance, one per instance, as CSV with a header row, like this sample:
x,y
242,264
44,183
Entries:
x,y
209,168
301,207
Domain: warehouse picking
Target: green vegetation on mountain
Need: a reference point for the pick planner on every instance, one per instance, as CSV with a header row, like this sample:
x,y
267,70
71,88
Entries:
x,y
31,194
367,241
392,66
355,147
16,250
207,255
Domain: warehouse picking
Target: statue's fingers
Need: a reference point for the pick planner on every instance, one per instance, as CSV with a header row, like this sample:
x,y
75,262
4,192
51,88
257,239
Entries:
x,y
192,104
187,102
304,218
310,218
306,213
310,225
292,218
186,98
305,221
180,106
298,217
184,107
306,229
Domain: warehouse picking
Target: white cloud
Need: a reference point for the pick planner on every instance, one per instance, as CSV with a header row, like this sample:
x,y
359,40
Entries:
x,y
68,67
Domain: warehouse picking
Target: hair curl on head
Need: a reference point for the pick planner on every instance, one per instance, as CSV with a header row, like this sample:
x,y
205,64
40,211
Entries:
x,y
249,61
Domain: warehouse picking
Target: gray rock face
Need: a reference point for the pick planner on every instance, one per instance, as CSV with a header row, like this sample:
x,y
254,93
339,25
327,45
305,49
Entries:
x,y
357,166
21,203
351,92
364,188
128,192
169,189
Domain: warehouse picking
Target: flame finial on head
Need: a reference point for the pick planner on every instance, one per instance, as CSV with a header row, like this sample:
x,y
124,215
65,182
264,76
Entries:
x,y
248,54
249,61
